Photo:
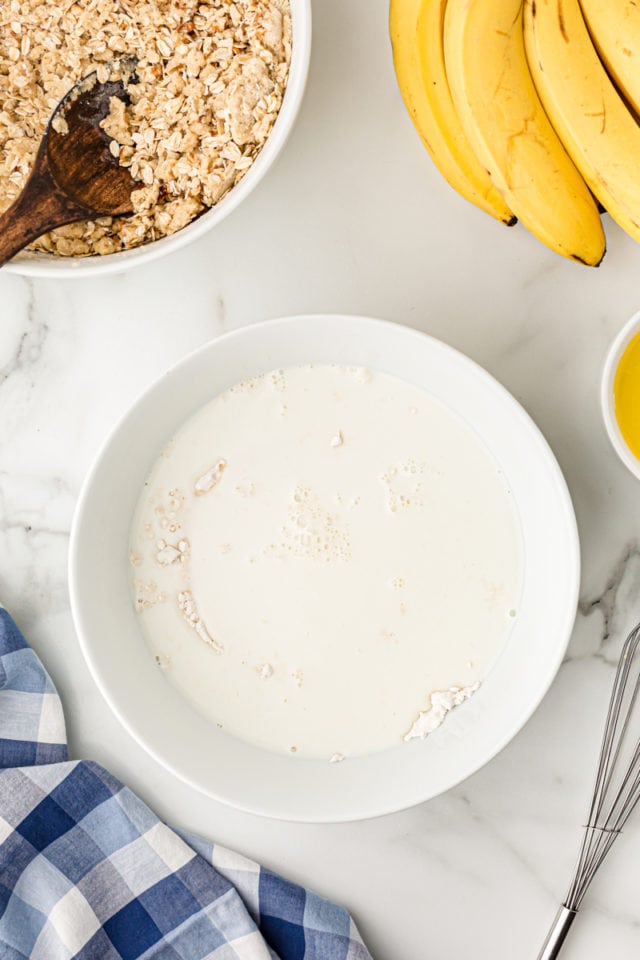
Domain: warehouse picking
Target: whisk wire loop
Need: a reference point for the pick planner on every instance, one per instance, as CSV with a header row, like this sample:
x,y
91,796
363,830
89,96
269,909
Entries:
x,y
617,786
616,791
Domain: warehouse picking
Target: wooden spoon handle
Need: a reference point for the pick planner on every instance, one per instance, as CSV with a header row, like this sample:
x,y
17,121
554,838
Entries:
x,y
39,208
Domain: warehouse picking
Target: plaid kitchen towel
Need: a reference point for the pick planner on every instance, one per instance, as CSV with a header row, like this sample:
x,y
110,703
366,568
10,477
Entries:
x,y
87,871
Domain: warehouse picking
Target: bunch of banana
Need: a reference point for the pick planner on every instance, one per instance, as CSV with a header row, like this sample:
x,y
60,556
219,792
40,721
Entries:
x,y
529,109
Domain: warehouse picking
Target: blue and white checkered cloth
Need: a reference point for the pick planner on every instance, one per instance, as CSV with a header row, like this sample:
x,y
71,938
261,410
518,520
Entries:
x,y
87,871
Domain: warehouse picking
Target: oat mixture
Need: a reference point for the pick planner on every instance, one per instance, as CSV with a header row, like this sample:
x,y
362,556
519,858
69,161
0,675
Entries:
x,y
212,75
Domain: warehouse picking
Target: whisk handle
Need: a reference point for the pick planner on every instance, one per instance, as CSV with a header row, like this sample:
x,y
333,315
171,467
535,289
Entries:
x,y
557,934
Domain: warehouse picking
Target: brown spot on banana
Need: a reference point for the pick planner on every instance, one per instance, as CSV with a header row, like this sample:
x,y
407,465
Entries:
x,y
577,259
602,114
561,23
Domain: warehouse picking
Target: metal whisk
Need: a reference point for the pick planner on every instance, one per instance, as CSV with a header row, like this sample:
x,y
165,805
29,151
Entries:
x,y
616,792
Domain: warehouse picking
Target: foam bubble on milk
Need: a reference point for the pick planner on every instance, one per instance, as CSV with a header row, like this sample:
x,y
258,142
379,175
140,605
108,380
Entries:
x,y
403,485
311,532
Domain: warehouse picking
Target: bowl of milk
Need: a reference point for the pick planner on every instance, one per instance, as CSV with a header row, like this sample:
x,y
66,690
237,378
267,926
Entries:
x,y
325,568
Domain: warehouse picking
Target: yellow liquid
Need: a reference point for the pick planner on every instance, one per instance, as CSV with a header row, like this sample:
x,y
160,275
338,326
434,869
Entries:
x,y
626,392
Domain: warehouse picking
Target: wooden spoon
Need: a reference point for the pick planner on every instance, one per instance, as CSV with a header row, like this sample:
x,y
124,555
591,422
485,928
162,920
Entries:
x,y
75,176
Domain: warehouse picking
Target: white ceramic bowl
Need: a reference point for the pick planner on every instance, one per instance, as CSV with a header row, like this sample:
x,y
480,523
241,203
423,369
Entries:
x,y
293,788
42,265
607,400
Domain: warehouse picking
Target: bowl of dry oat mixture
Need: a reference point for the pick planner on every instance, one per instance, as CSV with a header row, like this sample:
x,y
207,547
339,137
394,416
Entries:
x,y
216,90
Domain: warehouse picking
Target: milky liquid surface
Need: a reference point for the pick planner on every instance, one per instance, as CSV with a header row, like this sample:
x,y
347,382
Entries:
x,y
319,550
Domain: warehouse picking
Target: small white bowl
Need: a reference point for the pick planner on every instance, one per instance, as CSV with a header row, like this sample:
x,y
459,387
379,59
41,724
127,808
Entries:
x,y
30,264
233,771
607,398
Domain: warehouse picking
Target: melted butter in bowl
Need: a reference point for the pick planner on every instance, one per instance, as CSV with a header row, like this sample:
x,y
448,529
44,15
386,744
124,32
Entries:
x,y
626,392
620,394
325,561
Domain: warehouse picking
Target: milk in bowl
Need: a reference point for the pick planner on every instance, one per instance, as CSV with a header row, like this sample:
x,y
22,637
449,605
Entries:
x,y
325,561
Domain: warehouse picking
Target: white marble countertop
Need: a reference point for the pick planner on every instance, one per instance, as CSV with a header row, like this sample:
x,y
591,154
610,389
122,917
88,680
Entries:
x,y
354,218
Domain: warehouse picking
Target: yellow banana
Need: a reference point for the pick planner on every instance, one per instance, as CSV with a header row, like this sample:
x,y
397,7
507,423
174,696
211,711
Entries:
x,y
511,134
415,27
614,26
599,132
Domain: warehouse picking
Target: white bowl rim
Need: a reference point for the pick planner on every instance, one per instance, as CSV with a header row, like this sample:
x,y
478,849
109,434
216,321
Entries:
x,y
607,400
375,810
52,267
